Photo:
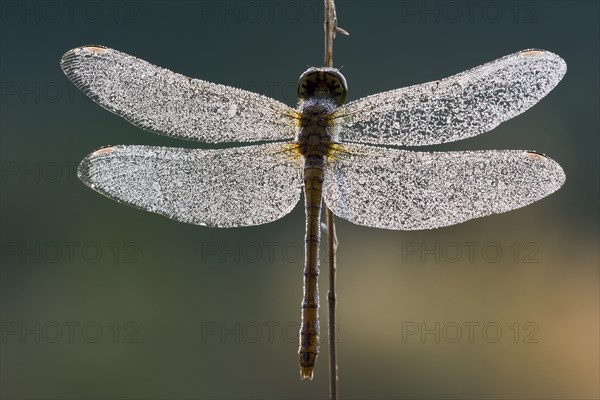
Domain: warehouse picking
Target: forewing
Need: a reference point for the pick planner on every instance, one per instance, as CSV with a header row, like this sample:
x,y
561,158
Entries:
x,y
455,108
405,190
171,104
240,186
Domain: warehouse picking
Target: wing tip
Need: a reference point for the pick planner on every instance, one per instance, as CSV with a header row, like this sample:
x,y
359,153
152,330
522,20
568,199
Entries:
x,y
533,52
96,49
72,55
536,155
91,48
84,165
103,151
554,169
547,55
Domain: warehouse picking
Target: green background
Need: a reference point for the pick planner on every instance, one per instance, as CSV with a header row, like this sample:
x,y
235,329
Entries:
x,y
212,313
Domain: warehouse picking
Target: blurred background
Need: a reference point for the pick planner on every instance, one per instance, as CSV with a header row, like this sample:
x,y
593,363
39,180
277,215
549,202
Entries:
x,y
100,300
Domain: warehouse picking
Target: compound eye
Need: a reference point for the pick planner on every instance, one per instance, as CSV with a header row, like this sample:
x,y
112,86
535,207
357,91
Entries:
x,y
338,87
322,83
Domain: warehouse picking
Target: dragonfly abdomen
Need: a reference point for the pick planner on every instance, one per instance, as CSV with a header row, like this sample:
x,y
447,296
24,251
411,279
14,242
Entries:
x,y
309,330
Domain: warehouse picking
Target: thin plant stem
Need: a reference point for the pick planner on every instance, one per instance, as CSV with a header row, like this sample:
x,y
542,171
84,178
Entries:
x,y
331,28
331,302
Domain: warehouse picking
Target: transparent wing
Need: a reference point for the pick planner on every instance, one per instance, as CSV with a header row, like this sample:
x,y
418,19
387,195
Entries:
x,y
405,190
171,104
240,186
455,108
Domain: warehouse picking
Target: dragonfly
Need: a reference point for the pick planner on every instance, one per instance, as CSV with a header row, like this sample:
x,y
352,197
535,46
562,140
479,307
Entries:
x,y
341,154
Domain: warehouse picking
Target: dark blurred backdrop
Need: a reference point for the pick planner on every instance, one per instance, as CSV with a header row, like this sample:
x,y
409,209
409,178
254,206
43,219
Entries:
x,y
100,300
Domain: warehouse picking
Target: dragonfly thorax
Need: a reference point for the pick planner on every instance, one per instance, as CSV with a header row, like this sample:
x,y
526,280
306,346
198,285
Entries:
x,y
315,134
316,111
325,83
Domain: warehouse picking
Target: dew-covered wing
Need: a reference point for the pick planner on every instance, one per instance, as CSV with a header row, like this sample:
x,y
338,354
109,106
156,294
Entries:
x,y
171,104
406,190
240,186
455,108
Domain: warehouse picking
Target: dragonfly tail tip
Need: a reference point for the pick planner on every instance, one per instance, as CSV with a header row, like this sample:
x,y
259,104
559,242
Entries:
x,y
306,373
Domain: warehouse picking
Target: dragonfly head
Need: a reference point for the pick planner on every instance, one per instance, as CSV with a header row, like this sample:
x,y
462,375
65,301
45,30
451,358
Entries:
x,y
322,83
